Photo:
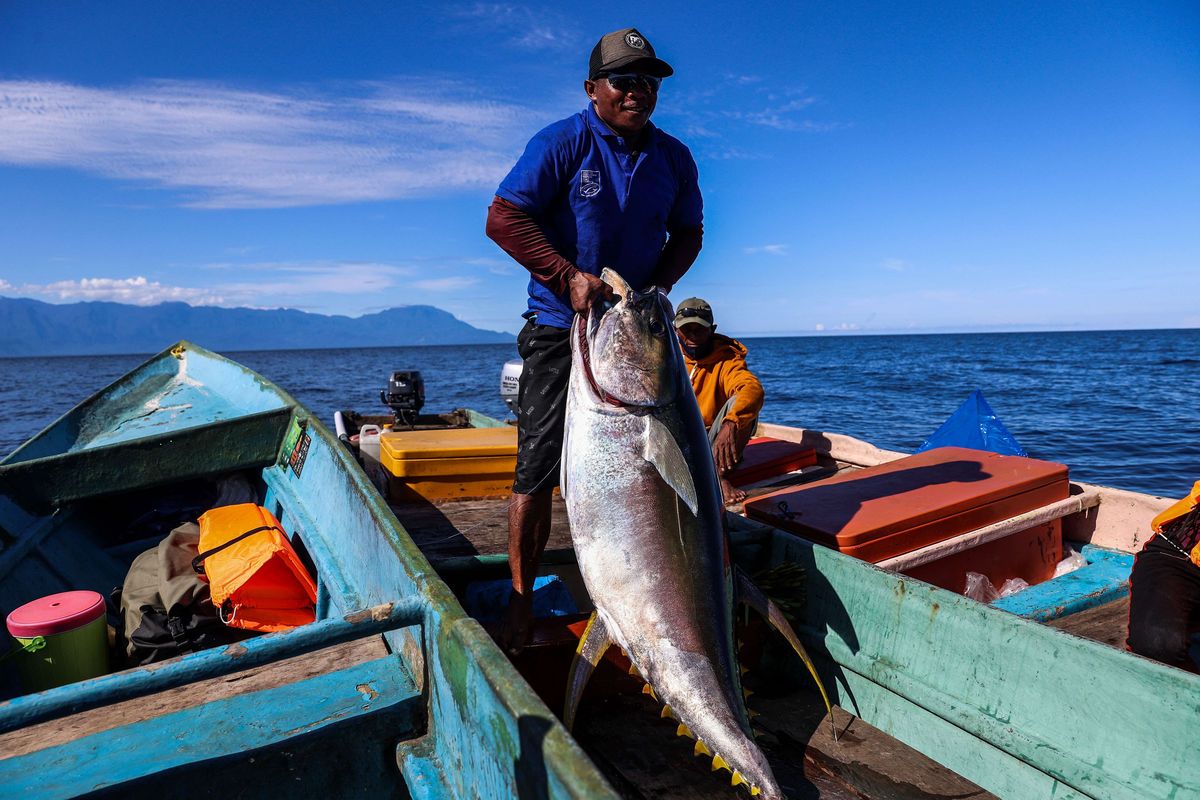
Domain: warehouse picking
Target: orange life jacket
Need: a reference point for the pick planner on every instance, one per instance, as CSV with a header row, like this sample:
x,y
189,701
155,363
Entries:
x,y
1175,512
255,576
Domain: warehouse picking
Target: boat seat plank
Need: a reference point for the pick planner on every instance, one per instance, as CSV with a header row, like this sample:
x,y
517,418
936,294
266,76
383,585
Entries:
x,y
642,757
1105,578
235,731
280,673
1107,624
874,763
471,527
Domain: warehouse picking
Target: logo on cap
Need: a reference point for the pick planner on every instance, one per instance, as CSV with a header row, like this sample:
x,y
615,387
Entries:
x,y
635,41
589,182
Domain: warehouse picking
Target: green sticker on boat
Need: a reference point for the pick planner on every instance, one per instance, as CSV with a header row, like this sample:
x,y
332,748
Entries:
x,y
295,445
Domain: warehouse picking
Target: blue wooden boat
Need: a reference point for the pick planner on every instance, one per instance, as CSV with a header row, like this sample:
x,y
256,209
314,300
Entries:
x,y
392,692
397,691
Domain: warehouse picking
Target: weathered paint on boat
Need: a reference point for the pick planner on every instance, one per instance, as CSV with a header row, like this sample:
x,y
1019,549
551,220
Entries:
x,y
450,716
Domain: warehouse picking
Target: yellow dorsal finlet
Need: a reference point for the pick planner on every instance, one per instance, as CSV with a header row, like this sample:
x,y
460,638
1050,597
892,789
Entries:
x,y
719,763
701,749
747,693
755,791
647,689
684,730
667,713
634,671
736,779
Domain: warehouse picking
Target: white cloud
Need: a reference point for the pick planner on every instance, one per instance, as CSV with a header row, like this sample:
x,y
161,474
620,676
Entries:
x,y
264,285
894,264
236,148
450,284
135,291
522,26
272,283
709,113
769,249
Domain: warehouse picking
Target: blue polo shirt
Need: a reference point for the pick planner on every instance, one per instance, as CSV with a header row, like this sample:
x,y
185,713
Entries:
x,y
599,205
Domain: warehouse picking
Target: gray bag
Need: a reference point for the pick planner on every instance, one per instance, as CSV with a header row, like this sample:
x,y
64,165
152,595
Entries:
x,y
166,609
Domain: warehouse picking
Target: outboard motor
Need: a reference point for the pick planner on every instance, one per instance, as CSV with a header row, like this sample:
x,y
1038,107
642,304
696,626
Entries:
x,y
404,395
510,382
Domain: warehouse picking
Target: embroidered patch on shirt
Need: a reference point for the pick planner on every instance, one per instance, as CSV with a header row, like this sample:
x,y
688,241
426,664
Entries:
x,y
589,182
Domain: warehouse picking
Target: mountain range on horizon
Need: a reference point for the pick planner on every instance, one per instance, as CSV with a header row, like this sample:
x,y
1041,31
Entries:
x,y
35,328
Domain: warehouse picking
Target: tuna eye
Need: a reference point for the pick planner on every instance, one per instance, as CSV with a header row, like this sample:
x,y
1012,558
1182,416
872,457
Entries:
x,y
656,327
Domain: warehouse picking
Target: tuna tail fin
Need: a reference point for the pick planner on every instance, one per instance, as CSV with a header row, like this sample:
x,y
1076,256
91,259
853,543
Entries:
x,y
592,646
752,596
661,450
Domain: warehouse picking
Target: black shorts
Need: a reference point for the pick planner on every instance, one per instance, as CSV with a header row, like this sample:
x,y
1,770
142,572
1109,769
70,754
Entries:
x,y
541,405
1164,605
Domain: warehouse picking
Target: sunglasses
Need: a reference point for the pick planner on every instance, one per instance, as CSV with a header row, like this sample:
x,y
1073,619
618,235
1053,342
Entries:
x,y
626,82
688,313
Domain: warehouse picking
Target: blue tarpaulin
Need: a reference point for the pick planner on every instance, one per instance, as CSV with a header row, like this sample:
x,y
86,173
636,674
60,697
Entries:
x,y
487,600
974,425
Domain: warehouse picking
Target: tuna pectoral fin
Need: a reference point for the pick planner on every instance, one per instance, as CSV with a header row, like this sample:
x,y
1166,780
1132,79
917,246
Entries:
x,y
752,596
661,450
592,644
613,279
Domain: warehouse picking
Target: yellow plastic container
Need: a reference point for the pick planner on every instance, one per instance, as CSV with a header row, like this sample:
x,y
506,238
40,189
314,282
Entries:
x,y
449,463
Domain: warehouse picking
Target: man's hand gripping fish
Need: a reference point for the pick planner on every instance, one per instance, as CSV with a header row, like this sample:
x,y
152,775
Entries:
x,y
647,523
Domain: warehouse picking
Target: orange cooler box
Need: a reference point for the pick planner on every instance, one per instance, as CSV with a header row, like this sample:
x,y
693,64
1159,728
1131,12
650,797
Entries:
x,y
449,463
766,458
904,505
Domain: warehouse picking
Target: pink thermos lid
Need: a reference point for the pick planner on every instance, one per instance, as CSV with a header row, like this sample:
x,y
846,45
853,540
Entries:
x,y
55,613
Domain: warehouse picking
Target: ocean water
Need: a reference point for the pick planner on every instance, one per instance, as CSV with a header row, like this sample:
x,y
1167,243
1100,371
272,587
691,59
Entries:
x,y
1120,408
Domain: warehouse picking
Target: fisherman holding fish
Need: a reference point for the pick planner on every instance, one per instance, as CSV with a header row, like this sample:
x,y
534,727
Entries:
x,y
604,187
729,394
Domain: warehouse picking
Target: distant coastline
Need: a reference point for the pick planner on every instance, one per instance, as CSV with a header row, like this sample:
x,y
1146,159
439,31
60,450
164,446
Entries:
x,y
34,328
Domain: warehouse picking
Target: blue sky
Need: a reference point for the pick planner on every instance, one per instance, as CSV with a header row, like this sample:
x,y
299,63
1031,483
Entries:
x,y
866,167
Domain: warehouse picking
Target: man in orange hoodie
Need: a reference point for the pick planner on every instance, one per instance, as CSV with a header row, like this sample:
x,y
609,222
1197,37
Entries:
x,y
729,395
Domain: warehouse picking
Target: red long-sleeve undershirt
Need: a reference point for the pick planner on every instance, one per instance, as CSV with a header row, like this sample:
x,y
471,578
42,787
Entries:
x,y
519,235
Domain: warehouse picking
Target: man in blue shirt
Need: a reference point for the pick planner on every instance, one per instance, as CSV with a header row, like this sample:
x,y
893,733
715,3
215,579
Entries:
x,y
602,188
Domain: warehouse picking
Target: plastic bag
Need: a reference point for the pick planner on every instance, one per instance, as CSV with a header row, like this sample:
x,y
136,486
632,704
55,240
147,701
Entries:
x,y
1072,562
1012,586
980,588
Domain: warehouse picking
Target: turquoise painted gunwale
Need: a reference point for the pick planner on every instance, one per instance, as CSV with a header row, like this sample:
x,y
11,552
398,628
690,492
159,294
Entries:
x,y
234,726
118,687
1022,709
485,732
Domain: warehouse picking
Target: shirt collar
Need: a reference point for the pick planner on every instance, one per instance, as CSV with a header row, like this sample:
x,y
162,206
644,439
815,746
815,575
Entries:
x,y
601,129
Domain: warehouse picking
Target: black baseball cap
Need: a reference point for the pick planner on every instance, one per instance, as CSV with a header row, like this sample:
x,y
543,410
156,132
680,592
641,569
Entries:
x,y
693,310
626,49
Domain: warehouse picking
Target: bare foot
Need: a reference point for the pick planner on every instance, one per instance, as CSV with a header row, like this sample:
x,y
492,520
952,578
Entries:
x,y
517,625
730,494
